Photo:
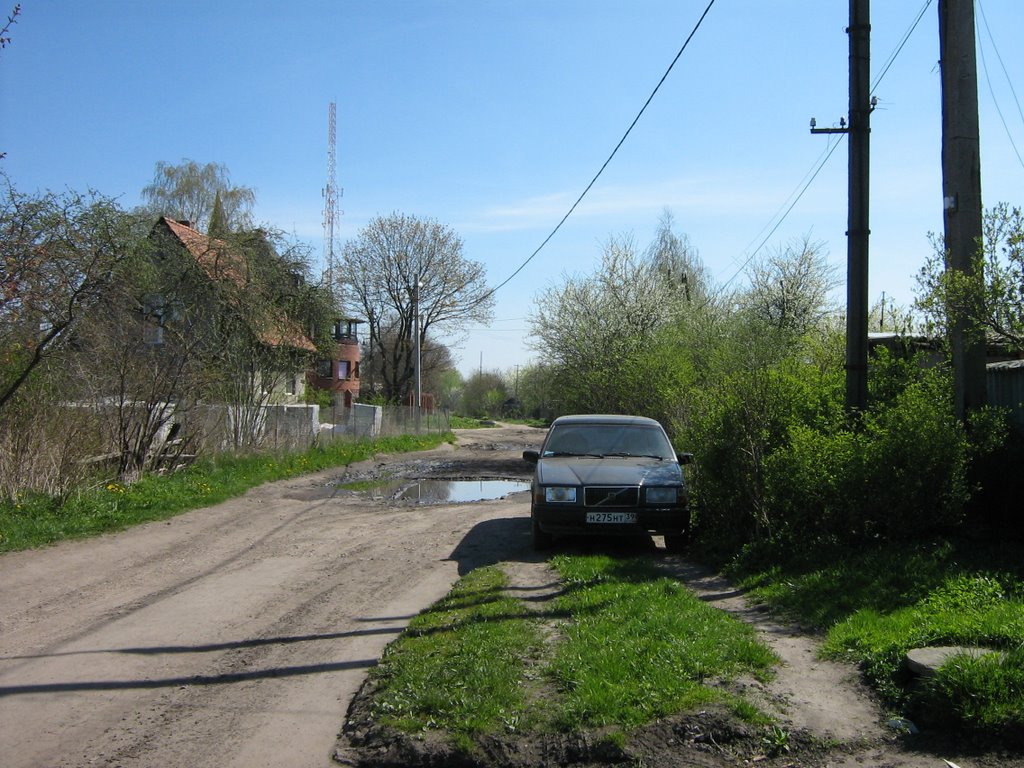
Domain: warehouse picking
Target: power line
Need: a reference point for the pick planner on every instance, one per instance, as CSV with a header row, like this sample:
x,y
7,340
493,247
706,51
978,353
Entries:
x,y
821,164
896,52
778,224
988,81
606,162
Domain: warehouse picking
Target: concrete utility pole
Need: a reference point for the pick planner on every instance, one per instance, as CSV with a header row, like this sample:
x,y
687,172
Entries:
x,y
857,230
857,226
961,187
418,381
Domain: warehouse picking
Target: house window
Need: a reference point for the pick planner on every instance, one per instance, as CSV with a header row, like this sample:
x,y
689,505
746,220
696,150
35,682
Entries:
x,y
290,385
356,374
344,369
323,369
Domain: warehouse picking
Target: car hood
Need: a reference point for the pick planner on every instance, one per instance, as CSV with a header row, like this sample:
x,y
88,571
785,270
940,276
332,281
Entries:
x,y
608,471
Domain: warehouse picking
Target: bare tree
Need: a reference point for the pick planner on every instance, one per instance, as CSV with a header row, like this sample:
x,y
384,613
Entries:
x,y
398,263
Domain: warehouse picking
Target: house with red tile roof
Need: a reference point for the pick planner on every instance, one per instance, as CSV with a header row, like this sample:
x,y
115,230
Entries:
x,y
216,272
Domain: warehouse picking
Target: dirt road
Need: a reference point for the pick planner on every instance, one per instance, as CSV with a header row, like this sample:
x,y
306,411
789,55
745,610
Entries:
x,y
237,635
234,635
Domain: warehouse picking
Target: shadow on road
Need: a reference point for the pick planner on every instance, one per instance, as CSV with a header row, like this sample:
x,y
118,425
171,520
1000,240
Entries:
x,y
179,682
508,539
495,541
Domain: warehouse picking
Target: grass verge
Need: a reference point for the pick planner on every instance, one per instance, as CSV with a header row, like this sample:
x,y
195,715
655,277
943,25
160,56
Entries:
x,y
641,646
876,605
36,520
465,422
458,665
625,645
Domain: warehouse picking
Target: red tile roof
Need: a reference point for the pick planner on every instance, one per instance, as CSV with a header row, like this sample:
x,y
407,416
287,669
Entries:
x,y
221,262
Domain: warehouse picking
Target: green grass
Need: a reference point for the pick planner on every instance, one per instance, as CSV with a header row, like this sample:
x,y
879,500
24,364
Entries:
x,y
625,646
641,646
36,520
459,665
875,605
465,422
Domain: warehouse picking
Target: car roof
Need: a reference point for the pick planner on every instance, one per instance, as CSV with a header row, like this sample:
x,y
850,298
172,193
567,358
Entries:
x,y
606,418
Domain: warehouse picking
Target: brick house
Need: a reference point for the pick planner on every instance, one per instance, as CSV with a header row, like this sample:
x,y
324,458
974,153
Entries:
x,y
339,374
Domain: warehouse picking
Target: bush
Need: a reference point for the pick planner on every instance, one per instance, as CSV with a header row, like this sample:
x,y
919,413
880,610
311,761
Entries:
x,y
779,461
736,427
901,474
318,396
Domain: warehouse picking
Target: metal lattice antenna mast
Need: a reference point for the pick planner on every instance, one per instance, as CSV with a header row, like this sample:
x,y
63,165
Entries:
x,y
330,201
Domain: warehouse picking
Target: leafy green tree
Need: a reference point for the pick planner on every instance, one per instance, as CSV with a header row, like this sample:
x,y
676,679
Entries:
x,y
218,218
535,390
483,394
60,255
448,388
991,296
189,192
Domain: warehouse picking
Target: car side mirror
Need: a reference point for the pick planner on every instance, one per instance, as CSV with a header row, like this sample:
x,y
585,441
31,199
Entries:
x,y
531,457
684,458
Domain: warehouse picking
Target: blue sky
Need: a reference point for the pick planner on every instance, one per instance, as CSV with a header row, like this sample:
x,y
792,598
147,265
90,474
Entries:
x,y
491,116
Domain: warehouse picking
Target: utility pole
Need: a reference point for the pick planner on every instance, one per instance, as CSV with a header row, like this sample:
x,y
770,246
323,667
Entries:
x,y
857,229
961,188
418,352
857,226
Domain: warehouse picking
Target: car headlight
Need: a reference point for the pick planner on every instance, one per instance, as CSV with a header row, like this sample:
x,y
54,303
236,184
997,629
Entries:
x,y
557,494
662,495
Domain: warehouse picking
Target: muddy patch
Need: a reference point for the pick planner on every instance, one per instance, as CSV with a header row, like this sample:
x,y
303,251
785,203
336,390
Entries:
x,y
707,739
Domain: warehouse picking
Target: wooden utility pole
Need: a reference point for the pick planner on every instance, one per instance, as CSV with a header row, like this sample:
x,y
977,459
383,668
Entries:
x,y
857,225
961,187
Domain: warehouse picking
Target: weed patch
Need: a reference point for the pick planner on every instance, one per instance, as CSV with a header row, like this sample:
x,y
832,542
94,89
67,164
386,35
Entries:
x,y
458,666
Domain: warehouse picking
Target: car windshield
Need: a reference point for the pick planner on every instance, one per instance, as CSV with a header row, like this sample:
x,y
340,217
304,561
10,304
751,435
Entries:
x,y
607,440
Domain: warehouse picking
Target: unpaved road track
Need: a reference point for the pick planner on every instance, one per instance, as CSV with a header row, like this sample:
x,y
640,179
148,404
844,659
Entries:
x,y
237,635
234,635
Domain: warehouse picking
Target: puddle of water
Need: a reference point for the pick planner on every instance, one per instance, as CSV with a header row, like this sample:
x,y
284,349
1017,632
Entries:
x,y
454,491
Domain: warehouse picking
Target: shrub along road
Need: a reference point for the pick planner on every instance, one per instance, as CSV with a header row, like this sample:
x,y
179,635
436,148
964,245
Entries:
x,y
237,635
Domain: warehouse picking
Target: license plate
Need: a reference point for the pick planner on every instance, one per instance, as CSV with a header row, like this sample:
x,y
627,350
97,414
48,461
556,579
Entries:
x,y
611,517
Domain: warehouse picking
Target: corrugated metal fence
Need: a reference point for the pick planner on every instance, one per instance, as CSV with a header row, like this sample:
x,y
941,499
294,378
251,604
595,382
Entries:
x,y
1005,385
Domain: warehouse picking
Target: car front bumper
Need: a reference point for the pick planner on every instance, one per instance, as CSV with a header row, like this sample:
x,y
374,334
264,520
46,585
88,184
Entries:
x,y
572,519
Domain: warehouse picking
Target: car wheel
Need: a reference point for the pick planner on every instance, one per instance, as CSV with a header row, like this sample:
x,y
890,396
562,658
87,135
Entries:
x,y
541,539
676,542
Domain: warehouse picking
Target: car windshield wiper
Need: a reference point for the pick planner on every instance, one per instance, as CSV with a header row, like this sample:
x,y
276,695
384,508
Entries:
x,y
638,455
557,454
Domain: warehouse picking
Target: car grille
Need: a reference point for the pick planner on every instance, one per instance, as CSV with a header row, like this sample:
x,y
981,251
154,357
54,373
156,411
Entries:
x,y
611,496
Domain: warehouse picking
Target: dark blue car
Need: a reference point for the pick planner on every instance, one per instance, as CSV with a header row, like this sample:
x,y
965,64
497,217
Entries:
x,y
599,474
